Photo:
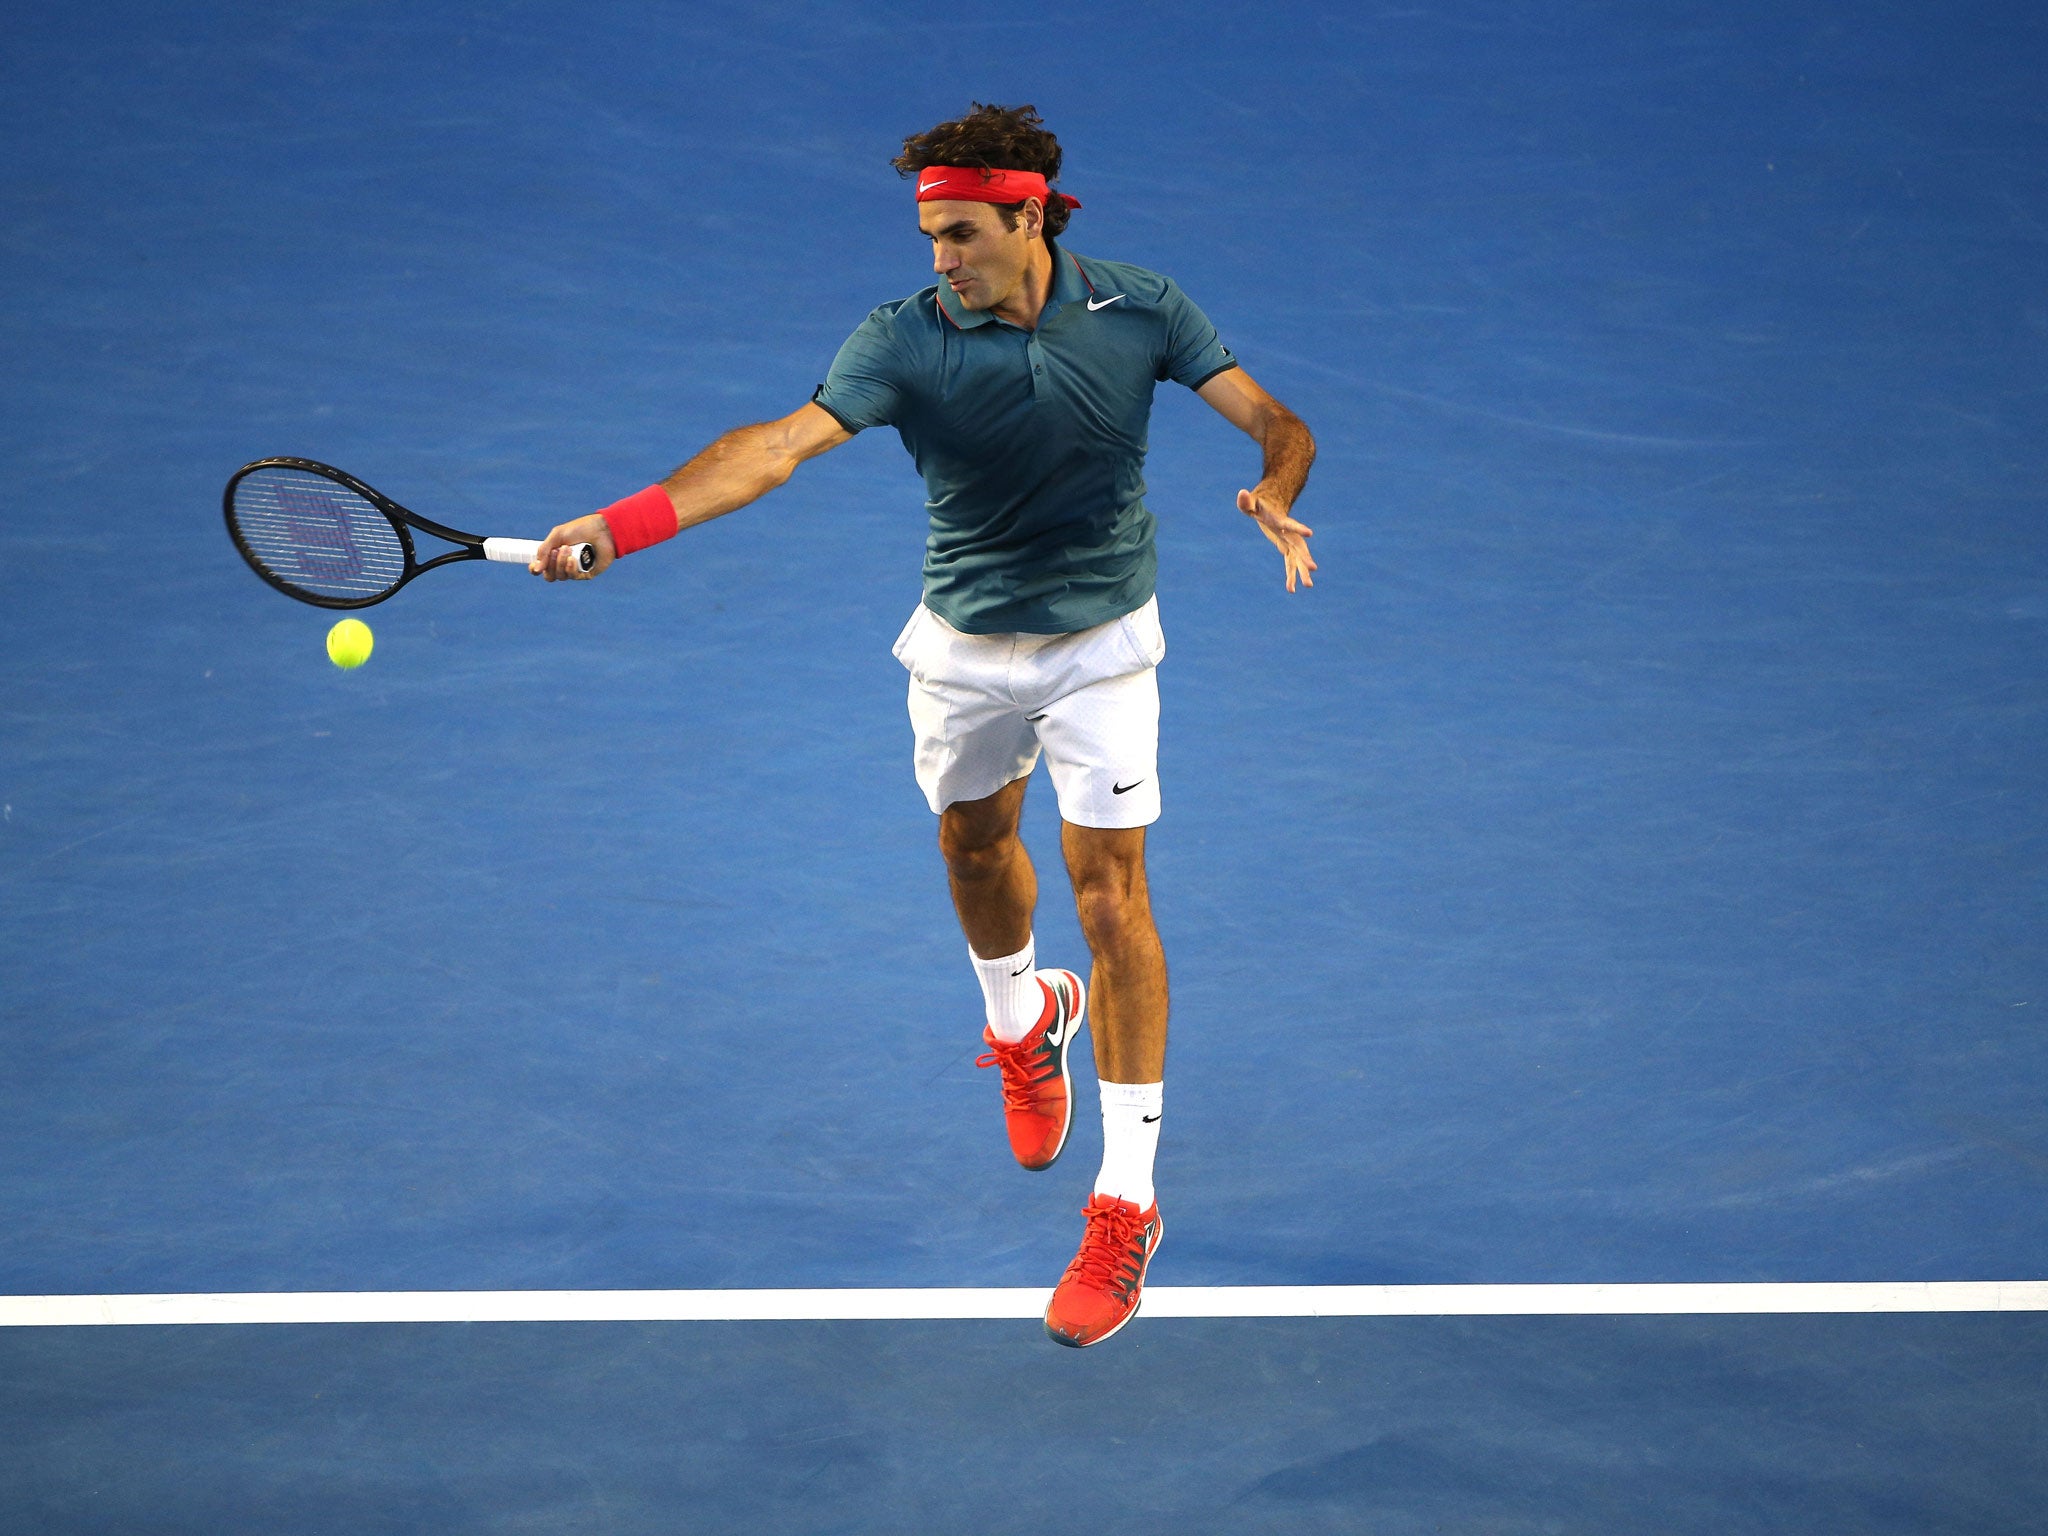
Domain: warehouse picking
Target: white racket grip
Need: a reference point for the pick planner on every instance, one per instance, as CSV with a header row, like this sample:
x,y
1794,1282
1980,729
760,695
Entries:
x,y
522,551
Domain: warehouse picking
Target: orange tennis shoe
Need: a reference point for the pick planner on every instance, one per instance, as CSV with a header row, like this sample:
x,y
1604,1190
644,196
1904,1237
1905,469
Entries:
x,y
1038,1101
1101,1289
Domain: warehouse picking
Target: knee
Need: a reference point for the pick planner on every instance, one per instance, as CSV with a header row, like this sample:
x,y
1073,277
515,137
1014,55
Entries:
x,y
1111,902
971,854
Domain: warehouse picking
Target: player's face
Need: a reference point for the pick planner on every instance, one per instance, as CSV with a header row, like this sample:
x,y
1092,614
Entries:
x,y
983,262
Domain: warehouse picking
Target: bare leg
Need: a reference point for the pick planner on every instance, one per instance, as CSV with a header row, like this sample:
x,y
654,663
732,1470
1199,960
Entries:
x,y
995,889
1128,985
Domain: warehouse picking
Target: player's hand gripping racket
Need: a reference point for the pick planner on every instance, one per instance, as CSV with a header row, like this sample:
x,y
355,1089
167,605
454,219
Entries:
x,y
325,538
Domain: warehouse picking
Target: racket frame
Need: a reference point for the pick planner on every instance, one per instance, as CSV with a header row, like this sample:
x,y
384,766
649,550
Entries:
x,y
470,545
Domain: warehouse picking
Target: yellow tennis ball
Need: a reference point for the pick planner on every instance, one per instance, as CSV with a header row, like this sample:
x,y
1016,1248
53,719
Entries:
x,y
349,642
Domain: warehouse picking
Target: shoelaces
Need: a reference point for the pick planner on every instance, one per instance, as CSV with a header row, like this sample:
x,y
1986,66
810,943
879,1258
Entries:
x,y
1112,1246
1016,1060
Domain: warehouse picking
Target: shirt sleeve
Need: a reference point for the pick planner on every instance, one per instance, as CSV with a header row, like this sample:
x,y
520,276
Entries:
x,y
863,388
1193,354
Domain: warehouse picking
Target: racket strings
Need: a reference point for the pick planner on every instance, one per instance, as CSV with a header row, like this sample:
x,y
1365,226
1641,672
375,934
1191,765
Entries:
x,y
317,535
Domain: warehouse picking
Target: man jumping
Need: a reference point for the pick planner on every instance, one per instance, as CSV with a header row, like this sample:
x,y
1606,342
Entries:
x,y
1021,383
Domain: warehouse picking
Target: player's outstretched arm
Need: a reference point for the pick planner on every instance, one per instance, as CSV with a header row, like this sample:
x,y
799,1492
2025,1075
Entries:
x,y
742,466
1289,451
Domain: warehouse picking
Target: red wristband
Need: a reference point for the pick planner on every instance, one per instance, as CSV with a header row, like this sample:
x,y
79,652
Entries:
x,y
643,518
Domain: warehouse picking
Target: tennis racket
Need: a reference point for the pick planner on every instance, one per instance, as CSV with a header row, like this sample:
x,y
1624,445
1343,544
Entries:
x,y
325,538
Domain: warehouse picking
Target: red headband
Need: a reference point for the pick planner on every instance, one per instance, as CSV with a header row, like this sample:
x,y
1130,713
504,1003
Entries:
x,y
971,184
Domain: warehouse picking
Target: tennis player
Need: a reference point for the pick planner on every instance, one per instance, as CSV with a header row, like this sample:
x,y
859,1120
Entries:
x,y
1021,383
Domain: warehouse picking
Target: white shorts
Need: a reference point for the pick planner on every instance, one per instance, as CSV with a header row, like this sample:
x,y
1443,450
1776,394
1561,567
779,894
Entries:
x,y
983,705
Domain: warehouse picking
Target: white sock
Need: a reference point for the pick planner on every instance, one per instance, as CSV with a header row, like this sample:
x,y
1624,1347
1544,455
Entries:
x,y
1010,987
1130,1136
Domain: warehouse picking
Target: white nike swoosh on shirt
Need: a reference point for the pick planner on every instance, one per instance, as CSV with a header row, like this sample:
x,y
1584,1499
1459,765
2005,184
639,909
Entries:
x,y
1104,304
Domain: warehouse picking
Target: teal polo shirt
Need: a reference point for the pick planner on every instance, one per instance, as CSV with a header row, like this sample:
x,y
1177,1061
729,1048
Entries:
x,y
1031,443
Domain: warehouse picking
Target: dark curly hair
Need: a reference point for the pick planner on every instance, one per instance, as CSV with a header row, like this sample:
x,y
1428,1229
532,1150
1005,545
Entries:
x,y
994,139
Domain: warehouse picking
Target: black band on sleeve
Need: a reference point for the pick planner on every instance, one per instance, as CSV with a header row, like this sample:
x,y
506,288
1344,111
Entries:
x,y
850,426
1205,378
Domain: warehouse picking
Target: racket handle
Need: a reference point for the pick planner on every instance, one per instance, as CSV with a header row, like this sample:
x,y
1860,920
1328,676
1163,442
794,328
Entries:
x,y
522,551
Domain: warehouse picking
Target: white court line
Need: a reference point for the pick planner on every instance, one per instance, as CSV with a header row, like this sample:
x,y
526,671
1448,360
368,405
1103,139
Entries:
x,y
1020,1302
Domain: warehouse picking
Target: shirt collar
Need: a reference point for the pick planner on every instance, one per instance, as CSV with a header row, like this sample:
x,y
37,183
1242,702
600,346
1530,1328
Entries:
x,y
1069,283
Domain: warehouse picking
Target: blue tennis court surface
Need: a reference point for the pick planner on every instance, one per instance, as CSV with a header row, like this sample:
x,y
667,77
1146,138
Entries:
x,y
1625,866
1886,1425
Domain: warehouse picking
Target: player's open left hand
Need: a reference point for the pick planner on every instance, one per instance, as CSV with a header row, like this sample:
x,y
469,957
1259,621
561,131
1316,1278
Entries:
x,y
1288,536
554,559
